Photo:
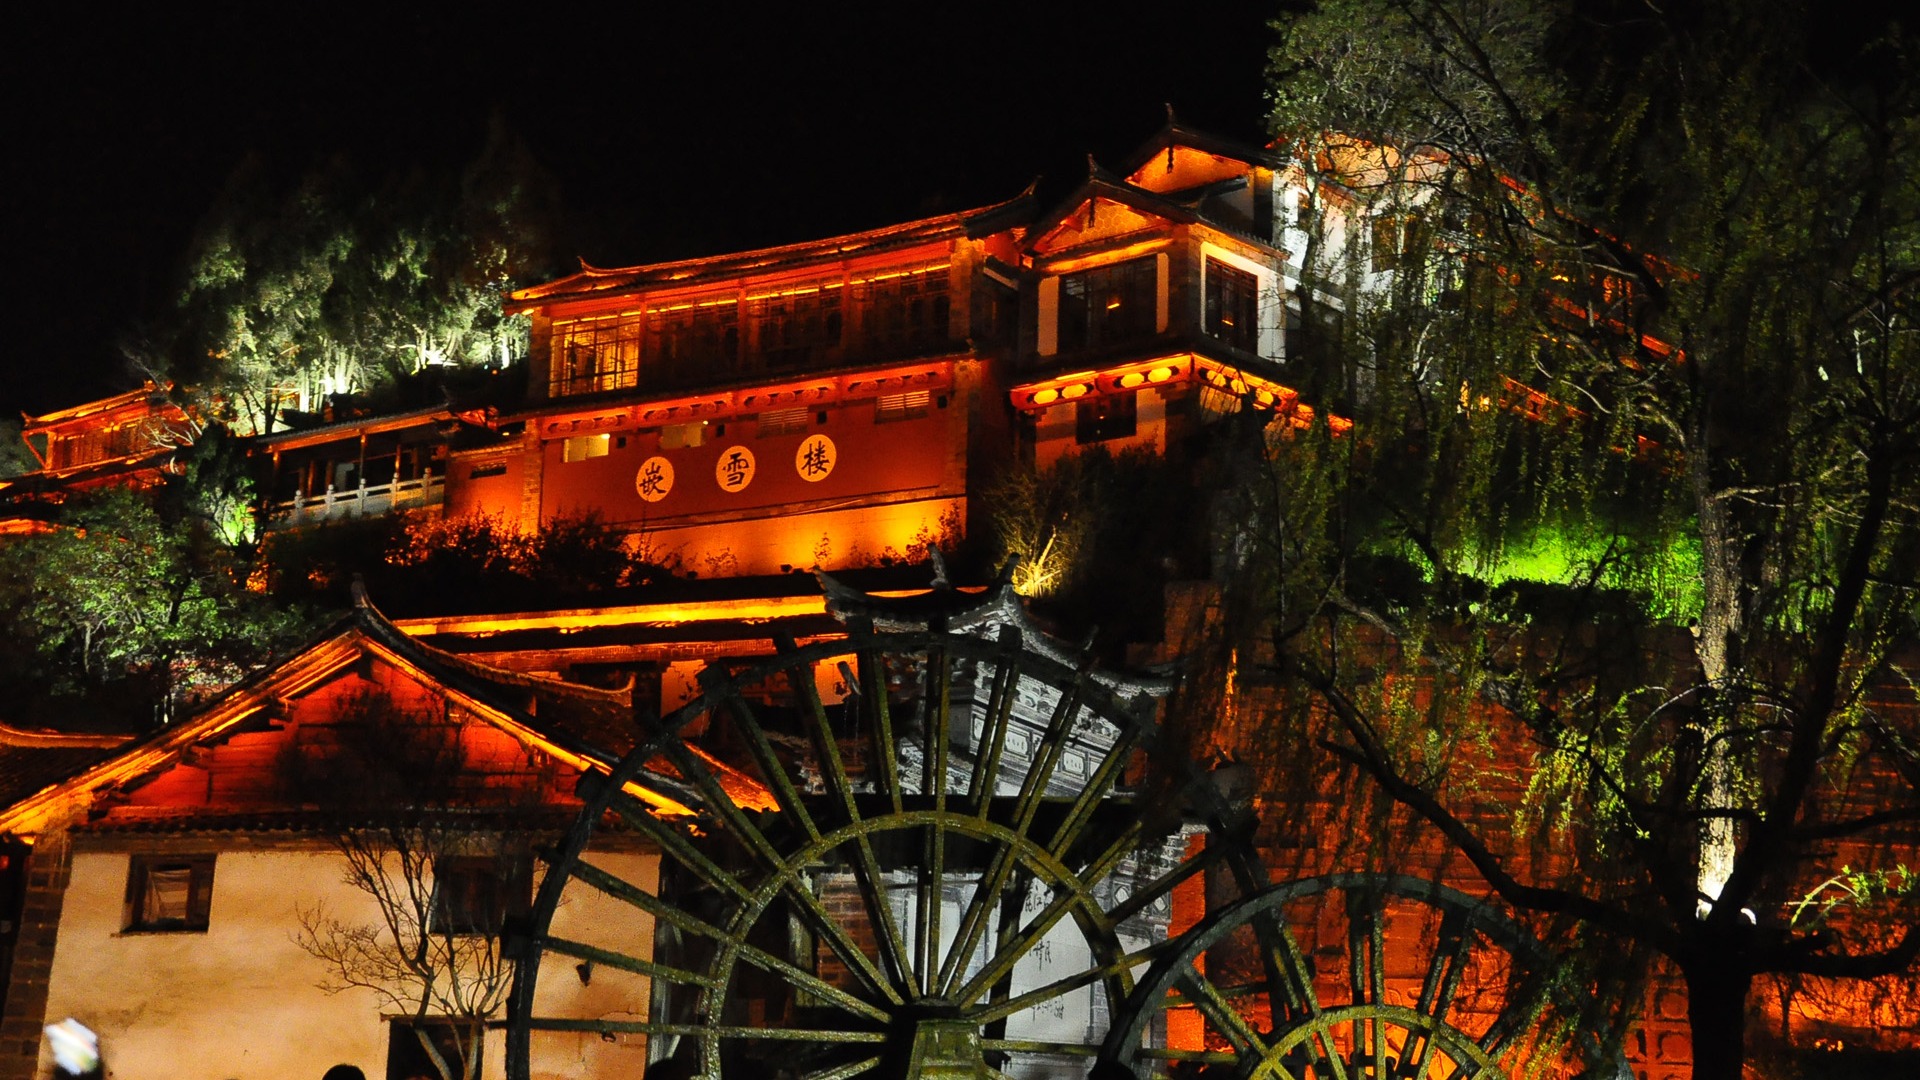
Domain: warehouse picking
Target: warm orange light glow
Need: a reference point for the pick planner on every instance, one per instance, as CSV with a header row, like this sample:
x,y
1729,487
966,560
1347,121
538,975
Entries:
x,y
778,607
1166,371
1068,266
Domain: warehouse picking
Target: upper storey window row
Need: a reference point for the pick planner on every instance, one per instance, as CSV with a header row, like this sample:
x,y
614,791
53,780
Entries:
x,y
685,343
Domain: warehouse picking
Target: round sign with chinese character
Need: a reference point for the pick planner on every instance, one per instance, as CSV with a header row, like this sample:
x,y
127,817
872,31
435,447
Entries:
x,y
654,479
734,470
815,458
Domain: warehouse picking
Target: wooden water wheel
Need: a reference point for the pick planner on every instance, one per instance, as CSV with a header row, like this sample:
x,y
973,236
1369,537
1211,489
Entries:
x,y
930,860
1349,976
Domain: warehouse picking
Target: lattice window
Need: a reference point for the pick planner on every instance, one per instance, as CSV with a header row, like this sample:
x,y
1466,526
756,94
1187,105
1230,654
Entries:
x,y
1233,306
1109,305
595,354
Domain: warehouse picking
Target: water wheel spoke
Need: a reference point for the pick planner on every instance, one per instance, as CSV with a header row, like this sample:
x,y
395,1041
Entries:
x,y
674,843
1099,784
785,795
1040,1046
1445,968
1000,1010
660,909
821,922
1197,1057
937,701
1150,893
718,1031
842,1072
1287,968
971,929
1067,896
1366,975
984,781
1226,1020
719,802
599,957
872,683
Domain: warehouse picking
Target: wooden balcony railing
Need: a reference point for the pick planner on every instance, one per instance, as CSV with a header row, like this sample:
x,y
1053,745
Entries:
x,y
422,491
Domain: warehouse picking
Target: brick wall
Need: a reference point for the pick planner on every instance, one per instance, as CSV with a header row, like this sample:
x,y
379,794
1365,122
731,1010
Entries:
x,y
48,868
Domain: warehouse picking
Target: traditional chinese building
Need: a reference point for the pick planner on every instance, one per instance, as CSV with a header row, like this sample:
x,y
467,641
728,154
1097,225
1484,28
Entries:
x,y
839,403
127,440
171,877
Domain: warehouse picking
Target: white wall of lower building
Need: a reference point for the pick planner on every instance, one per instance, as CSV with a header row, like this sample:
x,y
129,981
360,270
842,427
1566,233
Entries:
x,y
240,1001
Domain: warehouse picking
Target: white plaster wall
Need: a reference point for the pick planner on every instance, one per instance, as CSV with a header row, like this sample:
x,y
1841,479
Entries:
x,y
241,1001
238,1001
590,916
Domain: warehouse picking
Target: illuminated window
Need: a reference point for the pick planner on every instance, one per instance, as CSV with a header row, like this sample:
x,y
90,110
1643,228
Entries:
x,y
1109,305
591,355
169,892
1233,305
582,447
783,422
475,894
902,406
1104,418
682,436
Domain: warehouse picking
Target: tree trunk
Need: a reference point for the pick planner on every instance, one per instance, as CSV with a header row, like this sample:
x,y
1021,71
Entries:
x,y
1717,1012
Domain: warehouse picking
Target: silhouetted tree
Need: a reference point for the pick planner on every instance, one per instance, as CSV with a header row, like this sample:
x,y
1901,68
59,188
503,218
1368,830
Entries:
x,y
1632,503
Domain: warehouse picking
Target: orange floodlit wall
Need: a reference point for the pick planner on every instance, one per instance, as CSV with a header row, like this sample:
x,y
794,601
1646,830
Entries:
x,y
773,544
741,483
247,770
1877,1016
491,484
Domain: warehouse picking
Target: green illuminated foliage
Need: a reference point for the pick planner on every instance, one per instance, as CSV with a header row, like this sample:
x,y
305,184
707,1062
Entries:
x,y
133,607
295,296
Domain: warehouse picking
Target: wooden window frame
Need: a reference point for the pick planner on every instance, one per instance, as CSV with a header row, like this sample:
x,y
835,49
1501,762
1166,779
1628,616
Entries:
x,y
139,916
486,890
1107,416
1232,305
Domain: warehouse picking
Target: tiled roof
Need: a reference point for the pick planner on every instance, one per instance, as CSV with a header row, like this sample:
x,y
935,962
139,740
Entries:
x,y
28,770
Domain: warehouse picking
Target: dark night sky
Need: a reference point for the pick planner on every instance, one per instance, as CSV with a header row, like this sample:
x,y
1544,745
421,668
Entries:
x,y
712,129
